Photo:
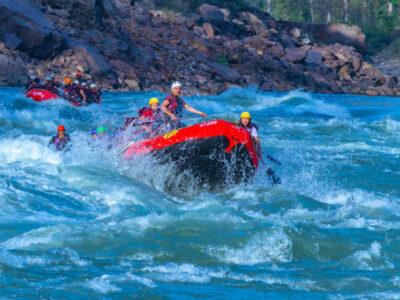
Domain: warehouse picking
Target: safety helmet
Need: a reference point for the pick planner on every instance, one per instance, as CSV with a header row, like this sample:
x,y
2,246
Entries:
x,y
175,84
153,100
78,74
61,128
92,85
68,80
101,129
52,76
94,131
76,82
47,78
84,84
245,115
32,77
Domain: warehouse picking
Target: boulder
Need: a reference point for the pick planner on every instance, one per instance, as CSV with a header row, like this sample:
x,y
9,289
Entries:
x,y
224,72
208,28
344,72
227,14
314,58
256,24
89,58
200,45
295,32
371,93
25,28
198,30
123,69
275,48
12,72
295,55
210,13
132,84
371,73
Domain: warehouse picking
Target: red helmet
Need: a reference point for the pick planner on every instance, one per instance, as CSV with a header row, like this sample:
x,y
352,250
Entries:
x,y
79,74
61,128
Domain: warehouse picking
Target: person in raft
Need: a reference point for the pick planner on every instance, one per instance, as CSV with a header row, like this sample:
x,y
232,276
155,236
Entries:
x,y
150,115
246,123
173,106
60,140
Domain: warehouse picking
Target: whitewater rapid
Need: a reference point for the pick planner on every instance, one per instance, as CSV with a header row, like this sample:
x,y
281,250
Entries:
x,y
86,224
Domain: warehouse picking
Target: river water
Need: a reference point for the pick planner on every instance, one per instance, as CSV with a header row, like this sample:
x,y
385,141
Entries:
x,y
86,224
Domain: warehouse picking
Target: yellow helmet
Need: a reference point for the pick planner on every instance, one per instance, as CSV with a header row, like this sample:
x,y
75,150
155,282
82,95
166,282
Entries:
x,y
153,100
245,115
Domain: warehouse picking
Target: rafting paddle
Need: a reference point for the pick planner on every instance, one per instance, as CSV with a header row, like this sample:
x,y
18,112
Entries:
x,y
139,137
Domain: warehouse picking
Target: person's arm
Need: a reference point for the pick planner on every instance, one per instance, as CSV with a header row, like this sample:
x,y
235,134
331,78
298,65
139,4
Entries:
x,y
195,111
146,128
167,112
83,95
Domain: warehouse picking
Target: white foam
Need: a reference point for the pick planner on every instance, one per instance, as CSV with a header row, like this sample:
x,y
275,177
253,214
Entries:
x,y
36,238
24,149
184,273
370,259
102,284
273,246
301,285
20,261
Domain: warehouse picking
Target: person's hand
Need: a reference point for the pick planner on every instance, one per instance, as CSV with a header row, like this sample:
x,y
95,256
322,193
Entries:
x,y
204,115
175,119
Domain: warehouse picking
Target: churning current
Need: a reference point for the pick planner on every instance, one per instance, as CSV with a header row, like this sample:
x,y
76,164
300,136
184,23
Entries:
x,y
85,223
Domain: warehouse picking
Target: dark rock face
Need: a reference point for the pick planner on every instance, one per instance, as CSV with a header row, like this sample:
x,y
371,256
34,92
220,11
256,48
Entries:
x,y
124,45
24,27
12,73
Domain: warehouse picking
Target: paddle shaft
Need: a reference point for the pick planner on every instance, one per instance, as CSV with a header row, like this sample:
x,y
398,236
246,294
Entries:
x,y
139,137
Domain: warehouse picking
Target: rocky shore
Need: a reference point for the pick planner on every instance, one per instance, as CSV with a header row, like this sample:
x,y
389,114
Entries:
x,y
125,45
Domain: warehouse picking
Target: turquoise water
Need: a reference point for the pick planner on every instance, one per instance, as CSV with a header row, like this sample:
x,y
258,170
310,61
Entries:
x,y
85,224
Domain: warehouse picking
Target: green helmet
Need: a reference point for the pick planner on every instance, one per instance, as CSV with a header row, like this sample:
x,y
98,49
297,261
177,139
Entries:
x,y
101,129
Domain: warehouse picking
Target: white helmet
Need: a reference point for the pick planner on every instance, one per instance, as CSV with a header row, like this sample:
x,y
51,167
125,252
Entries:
x,y
52,76
92,85
48,78
76,82
175,84
84,84
32,77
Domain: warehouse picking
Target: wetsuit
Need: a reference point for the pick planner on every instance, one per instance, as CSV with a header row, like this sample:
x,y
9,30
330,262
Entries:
x,y
60,144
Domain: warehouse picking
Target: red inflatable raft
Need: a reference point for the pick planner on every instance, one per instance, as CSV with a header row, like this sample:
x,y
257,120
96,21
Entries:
x,y
41,95
44,95
217,152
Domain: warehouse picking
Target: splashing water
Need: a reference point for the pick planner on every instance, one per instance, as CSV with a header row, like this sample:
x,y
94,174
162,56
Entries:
x,y
85,223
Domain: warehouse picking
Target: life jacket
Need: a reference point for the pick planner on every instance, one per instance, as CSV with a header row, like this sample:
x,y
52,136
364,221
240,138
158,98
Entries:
x,y
249,126
178,110
142,110
61,143
150,114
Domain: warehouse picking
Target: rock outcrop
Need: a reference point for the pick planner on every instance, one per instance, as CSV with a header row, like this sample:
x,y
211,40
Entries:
x,y
124,45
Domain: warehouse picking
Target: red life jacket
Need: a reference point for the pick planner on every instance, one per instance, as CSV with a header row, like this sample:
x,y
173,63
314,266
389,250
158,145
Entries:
x,y
142,110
